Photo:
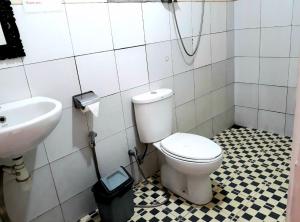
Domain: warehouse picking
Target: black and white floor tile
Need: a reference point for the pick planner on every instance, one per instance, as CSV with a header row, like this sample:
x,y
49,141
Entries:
x,y
251,184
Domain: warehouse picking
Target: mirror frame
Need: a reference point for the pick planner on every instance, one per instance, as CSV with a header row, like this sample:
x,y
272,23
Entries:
x,y
14,46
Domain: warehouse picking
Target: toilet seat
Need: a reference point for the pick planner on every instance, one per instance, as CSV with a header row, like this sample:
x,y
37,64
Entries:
x,y
191,148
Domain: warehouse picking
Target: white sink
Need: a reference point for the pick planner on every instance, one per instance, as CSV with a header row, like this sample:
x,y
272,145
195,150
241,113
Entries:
x,y
27,123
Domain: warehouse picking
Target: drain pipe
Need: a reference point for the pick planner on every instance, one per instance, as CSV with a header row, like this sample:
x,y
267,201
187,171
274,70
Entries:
x,y
21,172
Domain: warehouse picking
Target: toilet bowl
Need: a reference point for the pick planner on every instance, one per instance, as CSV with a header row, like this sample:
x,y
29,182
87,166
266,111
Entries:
x,y
189,158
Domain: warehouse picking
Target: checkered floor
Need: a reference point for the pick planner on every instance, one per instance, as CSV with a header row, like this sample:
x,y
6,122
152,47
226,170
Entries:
x,y
251,184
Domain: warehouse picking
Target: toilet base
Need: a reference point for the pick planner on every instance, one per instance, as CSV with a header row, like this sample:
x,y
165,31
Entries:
x,y
196,189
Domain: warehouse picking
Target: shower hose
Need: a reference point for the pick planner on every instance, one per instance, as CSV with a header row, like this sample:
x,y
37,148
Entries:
x,y
200,30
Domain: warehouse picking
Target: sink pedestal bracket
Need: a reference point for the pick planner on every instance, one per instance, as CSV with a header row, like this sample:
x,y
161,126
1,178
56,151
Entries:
x,y
20,169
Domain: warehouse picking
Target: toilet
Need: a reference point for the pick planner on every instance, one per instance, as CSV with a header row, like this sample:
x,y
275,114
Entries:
x,y
188,159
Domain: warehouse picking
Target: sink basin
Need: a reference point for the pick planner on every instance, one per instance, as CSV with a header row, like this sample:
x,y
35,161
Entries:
x,y
26,123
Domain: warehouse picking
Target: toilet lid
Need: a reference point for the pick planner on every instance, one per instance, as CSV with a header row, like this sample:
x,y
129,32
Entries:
x,y
191,146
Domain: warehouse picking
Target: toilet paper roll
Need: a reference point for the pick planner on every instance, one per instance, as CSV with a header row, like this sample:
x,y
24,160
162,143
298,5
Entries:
x,y
93,108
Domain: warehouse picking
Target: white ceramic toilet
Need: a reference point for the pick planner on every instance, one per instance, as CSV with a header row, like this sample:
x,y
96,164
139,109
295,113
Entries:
x,y
189,158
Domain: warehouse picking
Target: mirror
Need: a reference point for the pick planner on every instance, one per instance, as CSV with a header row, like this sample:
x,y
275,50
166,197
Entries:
x,y
2,37
10,42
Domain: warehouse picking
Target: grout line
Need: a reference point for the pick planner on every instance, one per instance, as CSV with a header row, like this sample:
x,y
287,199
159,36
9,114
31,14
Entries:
x,y
263,84
272,111
259,64
27,80
145,49
58,199
288,76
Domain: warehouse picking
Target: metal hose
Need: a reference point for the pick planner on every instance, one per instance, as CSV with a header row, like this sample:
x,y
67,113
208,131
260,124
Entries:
x,y
166,193
200,30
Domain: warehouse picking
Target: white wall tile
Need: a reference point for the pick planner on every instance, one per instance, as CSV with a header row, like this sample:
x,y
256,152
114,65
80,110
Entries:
x,y
230,43
9,63
272,98
203,81
54,214
112,153
219,75
73,174
271,121
127,103
184,87
32,198
230,71
247,15
296,15
55,79
98,72
110,120
134,141
295,44
293,72
70,135
230,15
276,13
87,35
197,15
135,74
183,12
274,71
246,95
220,101
289,125
150,166
159,59
163,83
246,42
230,96
275,42
246,69
156,21
186,117
36,158
291,101
81,1
223,121
204,129
181,62
245,117
127,24
218,17
79,206
174,122
203,55
13,85
203,109
44,41
218,47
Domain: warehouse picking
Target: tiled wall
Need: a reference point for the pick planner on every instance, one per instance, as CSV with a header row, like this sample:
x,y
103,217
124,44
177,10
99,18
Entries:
x,y
117,50
267,50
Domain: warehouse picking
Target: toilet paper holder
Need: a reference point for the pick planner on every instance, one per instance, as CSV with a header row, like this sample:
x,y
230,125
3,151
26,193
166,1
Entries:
x,y
84,99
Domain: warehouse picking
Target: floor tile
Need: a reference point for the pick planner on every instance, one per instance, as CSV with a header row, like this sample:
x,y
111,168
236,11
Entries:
x,y
250,185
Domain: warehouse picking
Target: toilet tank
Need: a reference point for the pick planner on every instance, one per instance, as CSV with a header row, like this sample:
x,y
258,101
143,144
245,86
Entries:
x,y
153,114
